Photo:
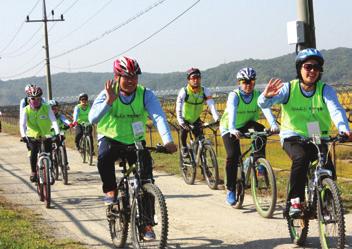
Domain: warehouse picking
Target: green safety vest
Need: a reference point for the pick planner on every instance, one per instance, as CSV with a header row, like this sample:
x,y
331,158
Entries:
x,y
83,114
38,121
300,110
245,111
117,123
193,105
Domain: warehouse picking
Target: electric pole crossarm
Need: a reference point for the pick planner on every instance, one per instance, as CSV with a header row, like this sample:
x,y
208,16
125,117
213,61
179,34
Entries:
x,y
45,20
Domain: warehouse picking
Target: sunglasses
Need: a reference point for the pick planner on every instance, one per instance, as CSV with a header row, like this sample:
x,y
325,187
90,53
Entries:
x,y
34,98
247,82
83,99
315,67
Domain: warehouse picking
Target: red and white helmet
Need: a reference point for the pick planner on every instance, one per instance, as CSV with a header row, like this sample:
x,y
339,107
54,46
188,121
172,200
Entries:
x,y
26,89
34,91
126,66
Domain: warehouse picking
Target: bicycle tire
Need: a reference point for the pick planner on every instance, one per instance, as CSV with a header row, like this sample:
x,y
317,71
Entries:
x,y
188,167
330,212
210,166
297,228
240,191
56,163
46,183
82,148
263,186
40,190
155,201
118,219
89,150
63,164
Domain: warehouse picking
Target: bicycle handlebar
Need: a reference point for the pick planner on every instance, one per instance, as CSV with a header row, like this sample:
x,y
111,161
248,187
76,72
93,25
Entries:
x,y
341,138
266,133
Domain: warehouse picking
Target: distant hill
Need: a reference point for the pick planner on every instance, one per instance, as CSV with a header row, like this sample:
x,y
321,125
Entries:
x,y
337,69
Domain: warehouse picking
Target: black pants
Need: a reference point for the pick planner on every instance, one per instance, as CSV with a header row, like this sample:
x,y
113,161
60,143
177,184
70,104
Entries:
x,y
34,148
109,152
79,133
197,131
301,155
233,152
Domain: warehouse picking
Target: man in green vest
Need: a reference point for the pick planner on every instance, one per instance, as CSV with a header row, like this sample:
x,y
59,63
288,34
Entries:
x,y
240,115
189,106
306,102
80,118
121,112
36,121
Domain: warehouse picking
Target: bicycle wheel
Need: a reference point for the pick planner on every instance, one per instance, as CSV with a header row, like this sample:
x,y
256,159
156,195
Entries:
x,y
40,190
330,216
297,227
56,164
82,148
263,187
149,209
210,166
89,150
118,219
46,182
63,164
240,190
188,167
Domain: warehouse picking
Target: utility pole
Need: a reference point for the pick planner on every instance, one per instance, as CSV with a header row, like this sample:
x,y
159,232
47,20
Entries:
x,y
45,20
305,14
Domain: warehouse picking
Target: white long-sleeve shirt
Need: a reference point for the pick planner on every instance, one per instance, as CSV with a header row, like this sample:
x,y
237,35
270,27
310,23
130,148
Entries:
x,y
181,100
23,123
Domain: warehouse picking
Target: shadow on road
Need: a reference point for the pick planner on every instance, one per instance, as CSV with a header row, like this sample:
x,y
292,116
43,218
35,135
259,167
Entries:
x,y
206,243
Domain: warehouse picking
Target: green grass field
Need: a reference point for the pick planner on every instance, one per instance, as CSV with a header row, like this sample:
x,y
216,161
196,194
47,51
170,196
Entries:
x,y
23,229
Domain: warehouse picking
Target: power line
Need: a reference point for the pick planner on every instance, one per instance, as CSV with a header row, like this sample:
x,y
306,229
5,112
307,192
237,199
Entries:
x,y
85,22
110,31
15,53
19,29
139,43
23,72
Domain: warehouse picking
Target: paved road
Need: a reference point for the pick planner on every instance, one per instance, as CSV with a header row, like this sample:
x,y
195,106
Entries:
x,y
198,216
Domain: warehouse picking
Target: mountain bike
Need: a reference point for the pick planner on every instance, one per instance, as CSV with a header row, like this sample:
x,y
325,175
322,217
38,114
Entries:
x,y
86,144
59,159
44,172
200,153
256,173
139,203
322,201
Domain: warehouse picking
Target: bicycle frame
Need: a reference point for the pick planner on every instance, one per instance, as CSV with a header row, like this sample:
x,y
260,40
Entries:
x,y
198,143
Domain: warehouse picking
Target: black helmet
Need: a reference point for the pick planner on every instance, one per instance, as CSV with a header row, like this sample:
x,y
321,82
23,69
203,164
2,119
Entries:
x,y
83,95
193,71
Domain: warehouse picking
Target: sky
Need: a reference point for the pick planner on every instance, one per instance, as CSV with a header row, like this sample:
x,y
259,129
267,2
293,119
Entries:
x,y
163,35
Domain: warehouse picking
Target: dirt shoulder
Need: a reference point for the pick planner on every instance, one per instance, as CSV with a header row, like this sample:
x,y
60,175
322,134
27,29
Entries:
x,y
198,216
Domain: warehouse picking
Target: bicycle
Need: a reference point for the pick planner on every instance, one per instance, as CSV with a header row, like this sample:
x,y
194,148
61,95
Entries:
x,y
139,203
44,172
200,154
256,173
59,160
322,201
86,144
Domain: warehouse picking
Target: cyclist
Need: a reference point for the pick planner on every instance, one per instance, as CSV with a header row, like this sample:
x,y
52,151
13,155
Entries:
x,y
36,121
240,115
80,117
189,106
61,120
305,102
122,105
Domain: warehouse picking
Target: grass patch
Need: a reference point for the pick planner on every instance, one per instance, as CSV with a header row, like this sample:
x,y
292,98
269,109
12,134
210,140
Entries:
x,y
21,228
